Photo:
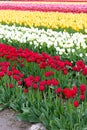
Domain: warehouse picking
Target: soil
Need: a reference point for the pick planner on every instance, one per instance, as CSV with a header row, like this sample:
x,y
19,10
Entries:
x,y
8,121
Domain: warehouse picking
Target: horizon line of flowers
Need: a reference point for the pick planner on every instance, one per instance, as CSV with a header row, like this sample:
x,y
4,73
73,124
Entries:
x,y
42,2
80,8
52,0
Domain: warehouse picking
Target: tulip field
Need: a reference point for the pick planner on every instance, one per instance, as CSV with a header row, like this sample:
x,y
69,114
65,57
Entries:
x,y
43,62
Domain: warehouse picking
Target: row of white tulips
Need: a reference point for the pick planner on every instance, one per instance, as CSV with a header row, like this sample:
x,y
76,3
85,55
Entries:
x,y
63,42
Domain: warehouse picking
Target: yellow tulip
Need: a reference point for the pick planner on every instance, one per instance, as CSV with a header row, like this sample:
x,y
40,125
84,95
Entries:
x,y
53,20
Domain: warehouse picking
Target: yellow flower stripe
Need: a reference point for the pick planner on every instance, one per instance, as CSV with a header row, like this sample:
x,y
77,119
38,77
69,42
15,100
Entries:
x,y
46,19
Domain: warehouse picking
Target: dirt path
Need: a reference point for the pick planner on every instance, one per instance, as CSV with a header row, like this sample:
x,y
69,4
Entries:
x,y
8,121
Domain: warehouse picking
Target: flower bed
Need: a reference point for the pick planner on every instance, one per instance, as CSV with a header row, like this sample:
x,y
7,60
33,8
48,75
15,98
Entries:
x,y
33,82
53,20
43,66
61,43
75,8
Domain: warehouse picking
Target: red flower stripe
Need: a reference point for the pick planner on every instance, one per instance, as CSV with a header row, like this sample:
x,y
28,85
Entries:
x,y
10,53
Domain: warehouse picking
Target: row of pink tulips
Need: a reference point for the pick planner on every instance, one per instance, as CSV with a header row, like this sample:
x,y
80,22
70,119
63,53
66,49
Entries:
x,y
45,7
54,0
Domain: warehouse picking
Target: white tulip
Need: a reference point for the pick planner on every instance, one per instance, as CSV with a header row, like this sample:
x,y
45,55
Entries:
x,y
62,40
81,55
73,50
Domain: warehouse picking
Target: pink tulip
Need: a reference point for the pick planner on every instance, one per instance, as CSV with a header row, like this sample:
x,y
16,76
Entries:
x,y
74,8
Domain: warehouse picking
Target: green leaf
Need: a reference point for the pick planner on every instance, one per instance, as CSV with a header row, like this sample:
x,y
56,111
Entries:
x,y
1,108
28,117
44,119
36,111
16,107
25,109
55,126
85,114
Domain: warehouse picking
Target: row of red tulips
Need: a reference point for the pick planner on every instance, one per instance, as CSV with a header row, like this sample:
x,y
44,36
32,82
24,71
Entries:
x,y
11,57
43,60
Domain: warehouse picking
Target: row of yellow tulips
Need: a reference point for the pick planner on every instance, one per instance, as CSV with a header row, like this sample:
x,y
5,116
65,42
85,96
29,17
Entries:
x,y
45,19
